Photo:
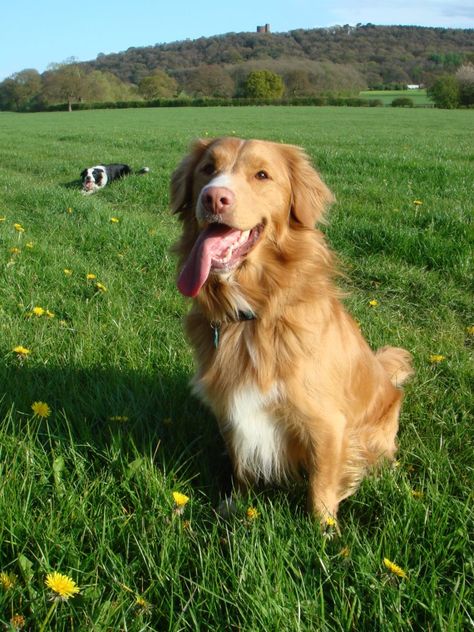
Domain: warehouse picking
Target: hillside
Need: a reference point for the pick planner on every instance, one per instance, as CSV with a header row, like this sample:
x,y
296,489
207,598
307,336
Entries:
x,y
377,54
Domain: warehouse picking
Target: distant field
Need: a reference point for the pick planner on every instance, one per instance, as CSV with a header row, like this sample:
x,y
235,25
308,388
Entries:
x,y
87,490
419,96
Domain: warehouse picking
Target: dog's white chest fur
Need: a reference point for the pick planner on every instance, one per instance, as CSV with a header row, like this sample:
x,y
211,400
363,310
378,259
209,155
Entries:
x,y
257,438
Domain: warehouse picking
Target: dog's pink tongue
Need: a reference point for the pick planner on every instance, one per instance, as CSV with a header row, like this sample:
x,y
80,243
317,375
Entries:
x,y
212,241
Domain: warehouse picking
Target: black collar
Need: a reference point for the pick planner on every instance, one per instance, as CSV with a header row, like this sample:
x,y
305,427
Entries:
x,y
216,326
246,315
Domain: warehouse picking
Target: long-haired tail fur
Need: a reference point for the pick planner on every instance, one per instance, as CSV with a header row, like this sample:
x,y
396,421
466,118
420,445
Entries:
x,y
397,363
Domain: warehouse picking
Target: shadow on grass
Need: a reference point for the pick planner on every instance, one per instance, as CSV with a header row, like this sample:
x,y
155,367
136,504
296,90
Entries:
x,y
73,184
101,407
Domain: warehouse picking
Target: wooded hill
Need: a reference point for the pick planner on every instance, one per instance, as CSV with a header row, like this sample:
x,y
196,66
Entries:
x,y
318,63
372,55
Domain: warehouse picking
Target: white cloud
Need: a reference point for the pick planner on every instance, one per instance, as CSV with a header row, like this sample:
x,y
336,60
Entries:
x,y
441,13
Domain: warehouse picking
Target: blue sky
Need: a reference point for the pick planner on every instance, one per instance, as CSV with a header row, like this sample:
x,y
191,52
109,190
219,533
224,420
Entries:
x,y
36,33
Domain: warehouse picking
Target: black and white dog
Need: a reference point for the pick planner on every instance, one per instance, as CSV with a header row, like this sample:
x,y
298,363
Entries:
x,y
95,178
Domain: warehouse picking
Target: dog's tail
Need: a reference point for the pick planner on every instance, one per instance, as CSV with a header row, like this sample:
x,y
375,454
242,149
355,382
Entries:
x,y
143,170
397,363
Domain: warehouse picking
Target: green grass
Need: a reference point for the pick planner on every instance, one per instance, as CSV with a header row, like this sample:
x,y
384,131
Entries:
x,y
91,496
418,96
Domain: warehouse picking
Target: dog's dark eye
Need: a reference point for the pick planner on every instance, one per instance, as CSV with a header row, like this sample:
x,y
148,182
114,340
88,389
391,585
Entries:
x,y
262,175
208,169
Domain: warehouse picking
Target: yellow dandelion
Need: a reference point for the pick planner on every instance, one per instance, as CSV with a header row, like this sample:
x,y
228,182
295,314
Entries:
x,y
142,603
121,418
330,522
252,513
38,311
90,276
373,303
21,351
15,251
18,621
69,210
19,228
394,568
67,271
470,330
101,287
114,220
436,358
417,202
61,585
41,409
29,245
7,580
180,499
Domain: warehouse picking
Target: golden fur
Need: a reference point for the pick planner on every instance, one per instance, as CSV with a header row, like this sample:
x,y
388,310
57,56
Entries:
x,y
296,388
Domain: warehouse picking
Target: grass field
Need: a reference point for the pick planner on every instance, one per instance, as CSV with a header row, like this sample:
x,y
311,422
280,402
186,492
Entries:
x,y
87,490
418,96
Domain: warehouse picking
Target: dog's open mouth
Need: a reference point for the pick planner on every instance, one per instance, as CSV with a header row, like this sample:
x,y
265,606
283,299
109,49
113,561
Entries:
x,y
88,186
218,248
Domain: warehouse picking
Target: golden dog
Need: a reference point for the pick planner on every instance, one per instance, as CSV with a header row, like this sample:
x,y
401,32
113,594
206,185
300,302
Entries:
x,y
293,384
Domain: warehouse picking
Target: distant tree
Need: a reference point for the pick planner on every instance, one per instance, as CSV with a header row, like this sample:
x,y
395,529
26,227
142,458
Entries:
x,y
7,101
465,79
394,73
298,83
104,86
20,91
65,83
445,92
158,85
341,79
448,60
208,80
264,84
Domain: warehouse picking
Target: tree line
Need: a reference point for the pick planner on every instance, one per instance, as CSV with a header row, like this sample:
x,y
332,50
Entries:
x,y
28,90
72,83
338,61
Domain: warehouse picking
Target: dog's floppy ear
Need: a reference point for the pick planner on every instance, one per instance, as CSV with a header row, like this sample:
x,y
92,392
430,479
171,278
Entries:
x,y
83,174
310,196
181,189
